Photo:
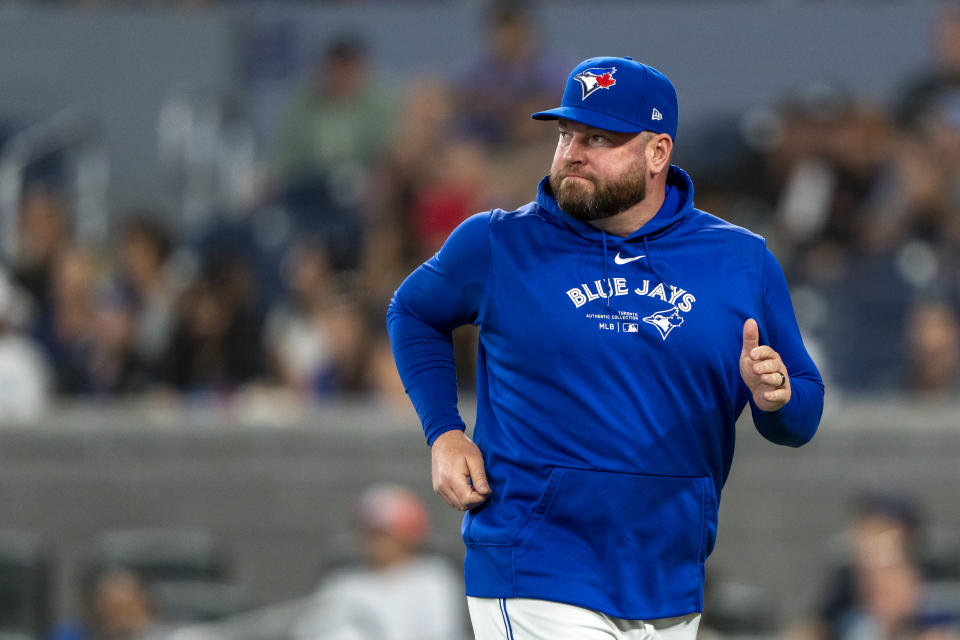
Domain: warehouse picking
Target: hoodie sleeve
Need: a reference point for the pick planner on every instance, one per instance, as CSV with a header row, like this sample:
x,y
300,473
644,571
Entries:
x,y
797,421
445,292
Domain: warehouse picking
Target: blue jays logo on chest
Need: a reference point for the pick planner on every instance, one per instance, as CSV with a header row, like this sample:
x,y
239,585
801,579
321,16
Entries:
x,y
675,302
665,321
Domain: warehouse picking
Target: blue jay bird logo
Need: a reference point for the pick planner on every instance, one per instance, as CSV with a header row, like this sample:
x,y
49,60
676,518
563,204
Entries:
x,y
665,321
596,78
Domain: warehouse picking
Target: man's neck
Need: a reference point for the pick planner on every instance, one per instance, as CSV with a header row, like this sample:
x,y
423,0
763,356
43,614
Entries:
x,y
626,222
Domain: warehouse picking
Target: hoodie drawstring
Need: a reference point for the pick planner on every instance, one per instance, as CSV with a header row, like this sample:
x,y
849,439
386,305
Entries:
x,y
646,252
606,278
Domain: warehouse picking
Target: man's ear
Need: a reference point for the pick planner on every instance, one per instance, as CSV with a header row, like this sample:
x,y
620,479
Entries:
x,y
658,149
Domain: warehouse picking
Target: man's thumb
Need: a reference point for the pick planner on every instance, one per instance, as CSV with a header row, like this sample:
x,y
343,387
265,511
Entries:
x,y
751,336
478,478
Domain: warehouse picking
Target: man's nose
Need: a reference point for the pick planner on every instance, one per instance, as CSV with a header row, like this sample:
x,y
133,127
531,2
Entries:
x,y
574,153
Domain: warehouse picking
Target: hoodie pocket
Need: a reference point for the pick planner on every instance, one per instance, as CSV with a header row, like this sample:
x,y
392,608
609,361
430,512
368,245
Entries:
x,y
632,540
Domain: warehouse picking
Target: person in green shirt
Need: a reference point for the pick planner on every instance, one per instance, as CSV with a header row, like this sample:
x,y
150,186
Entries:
x,y
341,122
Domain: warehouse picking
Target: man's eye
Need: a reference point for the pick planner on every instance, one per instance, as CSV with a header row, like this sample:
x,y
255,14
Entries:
x,y
600,139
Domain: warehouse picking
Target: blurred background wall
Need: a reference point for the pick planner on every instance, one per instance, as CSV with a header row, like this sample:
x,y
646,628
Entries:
x,y
123,62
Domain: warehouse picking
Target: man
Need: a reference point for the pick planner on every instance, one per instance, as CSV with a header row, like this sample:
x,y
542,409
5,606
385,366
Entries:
x,y
399,592
120,608
622,331
342,119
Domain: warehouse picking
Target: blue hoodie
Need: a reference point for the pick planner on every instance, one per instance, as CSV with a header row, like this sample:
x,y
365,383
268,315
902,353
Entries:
x,y
608,387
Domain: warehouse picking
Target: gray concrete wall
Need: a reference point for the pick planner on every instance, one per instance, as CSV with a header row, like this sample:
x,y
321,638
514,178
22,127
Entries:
x,y
276,494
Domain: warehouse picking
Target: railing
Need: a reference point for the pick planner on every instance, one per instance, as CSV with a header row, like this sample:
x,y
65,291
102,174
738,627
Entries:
x,y
208,153
78,139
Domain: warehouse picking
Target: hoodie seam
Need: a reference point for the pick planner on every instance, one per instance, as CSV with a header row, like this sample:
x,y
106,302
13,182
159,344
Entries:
x,y
485,296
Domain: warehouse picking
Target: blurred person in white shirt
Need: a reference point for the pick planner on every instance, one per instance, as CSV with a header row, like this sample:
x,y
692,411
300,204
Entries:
x,y
399,593
24,371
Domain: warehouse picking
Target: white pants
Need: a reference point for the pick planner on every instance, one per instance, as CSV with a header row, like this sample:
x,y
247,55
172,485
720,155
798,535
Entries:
x,y
525,619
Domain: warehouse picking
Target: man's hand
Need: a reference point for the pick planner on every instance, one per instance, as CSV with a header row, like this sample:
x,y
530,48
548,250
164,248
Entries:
x,y
457,464
761,369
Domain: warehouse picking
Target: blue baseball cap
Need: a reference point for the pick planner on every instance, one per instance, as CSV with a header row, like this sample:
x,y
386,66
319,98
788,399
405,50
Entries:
x,y
618,94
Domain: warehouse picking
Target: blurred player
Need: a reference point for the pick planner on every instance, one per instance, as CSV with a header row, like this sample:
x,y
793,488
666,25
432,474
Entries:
x,y
622,332
400,593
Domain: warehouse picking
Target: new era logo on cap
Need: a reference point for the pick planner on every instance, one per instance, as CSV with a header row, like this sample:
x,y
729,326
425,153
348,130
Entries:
x,y
636,97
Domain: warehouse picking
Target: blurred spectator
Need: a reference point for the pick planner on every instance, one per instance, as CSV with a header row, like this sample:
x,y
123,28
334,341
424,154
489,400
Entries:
x,y
331,146
122,608
24,371
216,345
392,244
513,77
828,160
399,593
314,337
933,348
889,592
425,117
885,528
341,123
116,607
214,348
76,275
944,74
113,365
43,232
142,256
894,602
921,198
878,585
330,209
448,192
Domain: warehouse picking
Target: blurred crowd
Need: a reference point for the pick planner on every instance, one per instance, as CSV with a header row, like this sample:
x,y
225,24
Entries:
x,y
892,575
285,296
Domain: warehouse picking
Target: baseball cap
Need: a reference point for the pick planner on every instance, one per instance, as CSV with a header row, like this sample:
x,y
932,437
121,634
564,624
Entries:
x,y
618,94
393,509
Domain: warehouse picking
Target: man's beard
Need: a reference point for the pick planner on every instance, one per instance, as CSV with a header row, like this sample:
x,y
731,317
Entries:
x,y
608,198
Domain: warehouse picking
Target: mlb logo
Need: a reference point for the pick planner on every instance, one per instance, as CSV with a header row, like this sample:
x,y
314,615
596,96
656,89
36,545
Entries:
x,y
629,327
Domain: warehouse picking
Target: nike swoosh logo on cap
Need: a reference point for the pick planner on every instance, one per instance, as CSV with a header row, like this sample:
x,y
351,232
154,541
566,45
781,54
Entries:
x,y
620,260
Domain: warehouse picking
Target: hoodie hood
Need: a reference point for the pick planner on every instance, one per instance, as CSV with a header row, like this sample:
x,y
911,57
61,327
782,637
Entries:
x,y
677,205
